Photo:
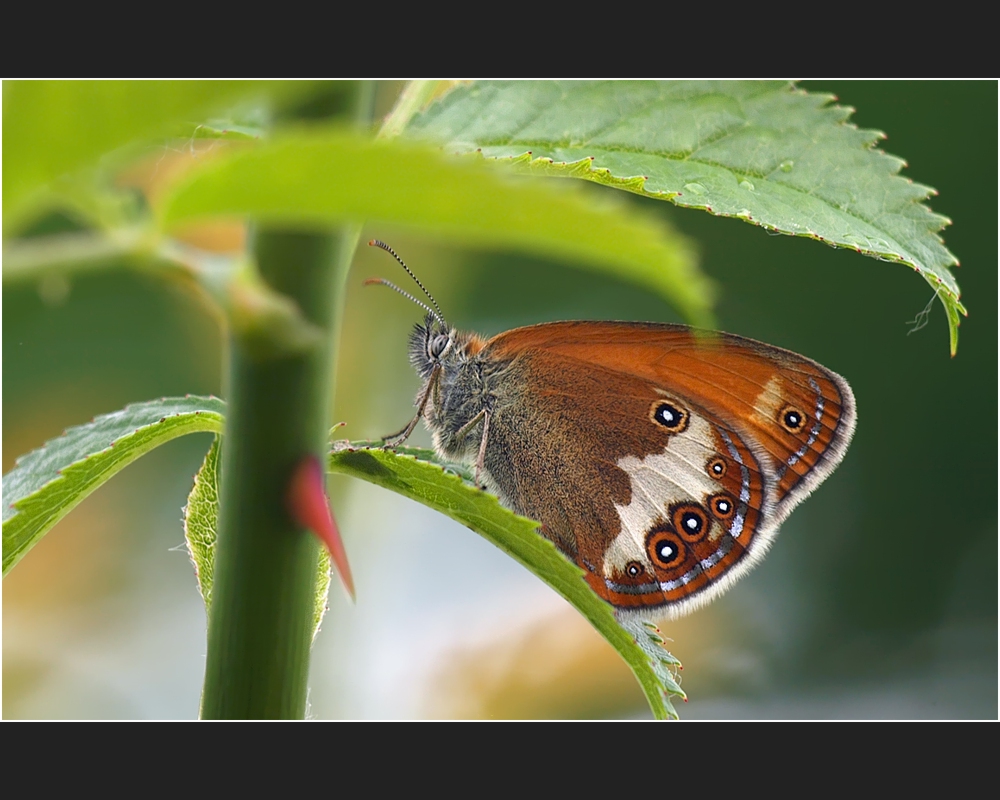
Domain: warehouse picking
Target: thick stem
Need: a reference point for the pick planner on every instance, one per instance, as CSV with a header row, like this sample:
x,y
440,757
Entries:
x,y
261,618
260,626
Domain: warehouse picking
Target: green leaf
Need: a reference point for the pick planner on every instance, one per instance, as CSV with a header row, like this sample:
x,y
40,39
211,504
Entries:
x,y
763,152
320,177
48,482
428,481
55,127
201,524
201,520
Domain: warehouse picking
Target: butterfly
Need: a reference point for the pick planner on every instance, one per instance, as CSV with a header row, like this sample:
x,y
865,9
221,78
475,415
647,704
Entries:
x,y
658,458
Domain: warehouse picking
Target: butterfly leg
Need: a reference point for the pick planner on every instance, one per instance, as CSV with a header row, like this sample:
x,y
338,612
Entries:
x,y
403,435
483,415
482,445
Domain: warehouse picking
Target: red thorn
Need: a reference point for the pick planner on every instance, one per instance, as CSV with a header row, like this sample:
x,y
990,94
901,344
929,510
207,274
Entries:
x,y
309,507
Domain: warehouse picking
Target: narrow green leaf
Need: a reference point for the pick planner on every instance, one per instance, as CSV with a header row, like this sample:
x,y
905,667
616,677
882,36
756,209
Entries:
x,y
761,151
201,525
201,520
320,177
48,482
429,482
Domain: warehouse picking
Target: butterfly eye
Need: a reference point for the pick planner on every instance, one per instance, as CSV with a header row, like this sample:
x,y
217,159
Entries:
x,y
690,521
722,506
666,549
792,419
716,467
438,345
670,416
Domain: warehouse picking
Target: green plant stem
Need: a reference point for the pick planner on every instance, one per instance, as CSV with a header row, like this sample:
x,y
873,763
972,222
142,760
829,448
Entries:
x,y
261,620
260,625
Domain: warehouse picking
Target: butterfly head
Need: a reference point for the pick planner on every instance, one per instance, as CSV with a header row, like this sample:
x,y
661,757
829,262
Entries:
x,y
431,344
434,345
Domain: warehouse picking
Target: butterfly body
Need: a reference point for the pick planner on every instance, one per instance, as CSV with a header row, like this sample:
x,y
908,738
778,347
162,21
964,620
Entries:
x,y
659,459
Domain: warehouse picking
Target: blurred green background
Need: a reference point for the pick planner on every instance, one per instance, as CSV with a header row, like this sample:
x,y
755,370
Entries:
x,y
878,600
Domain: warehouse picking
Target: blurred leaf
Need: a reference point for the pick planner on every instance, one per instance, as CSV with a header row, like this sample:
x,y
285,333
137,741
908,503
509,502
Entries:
x,y
220,129
48,482
55,127
428,482
322,177
201,523
763,152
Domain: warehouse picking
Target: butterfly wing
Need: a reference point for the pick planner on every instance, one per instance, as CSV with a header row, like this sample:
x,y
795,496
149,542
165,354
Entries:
x,y
661,460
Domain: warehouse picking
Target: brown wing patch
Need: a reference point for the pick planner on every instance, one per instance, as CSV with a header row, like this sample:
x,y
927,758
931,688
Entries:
x,y
743,430
747,384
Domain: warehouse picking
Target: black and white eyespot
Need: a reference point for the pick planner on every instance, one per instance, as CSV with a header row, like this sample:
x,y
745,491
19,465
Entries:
x,y
690,521
666,550
634,569
669,415
722,506
791,419
716,467
437,346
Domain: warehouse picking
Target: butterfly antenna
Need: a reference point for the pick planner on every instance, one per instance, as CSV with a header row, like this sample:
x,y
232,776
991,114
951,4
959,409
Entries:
x,y
407,295
390,251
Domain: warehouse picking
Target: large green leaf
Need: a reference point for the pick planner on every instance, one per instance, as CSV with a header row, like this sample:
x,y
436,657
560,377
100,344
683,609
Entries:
x,y
436,485
48,482
54,127
322,177
761,151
